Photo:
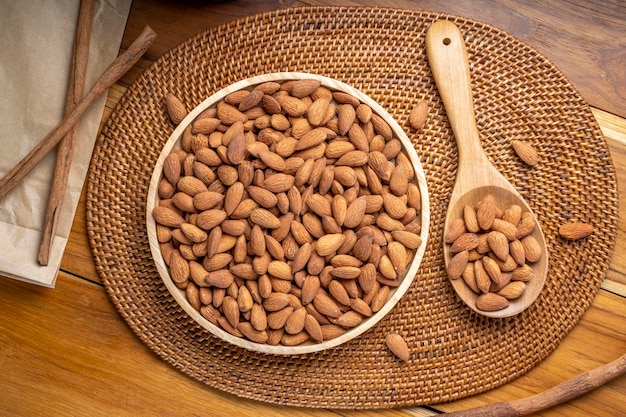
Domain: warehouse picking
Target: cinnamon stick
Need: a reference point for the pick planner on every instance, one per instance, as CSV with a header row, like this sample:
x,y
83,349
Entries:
x,y
565,391
114,72
76,87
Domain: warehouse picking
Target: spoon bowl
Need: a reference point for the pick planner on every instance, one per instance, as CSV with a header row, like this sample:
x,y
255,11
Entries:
x,y
476,176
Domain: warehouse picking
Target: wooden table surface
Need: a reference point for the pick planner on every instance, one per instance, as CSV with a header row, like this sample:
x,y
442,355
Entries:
x,y
67,351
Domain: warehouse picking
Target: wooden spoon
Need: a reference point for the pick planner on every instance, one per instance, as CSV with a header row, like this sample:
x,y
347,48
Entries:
x,y
476,177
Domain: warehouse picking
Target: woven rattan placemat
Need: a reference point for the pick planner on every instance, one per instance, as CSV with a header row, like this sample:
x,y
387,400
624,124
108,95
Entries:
x,y
454,352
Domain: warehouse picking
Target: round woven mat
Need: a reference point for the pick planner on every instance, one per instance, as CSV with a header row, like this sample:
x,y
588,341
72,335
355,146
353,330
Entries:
x,y
454,352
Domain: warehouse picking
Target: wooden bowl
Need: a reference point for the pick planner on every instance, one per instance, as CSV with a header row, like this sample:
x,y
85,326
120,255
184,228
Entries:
x,y
310,346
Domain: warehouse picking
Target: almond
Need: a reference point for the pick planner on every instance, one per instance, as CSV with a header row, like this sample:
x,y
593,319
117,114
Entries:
x,y
338,291
381,126
270,104
525,152
250,100
338,148
175,108
346,115
233,197
469,217
483,282
296,321
348,320
172,168
280,269
399,180
455,229
355,212
457,264
380,165
358,138
264,218
467,241
263,197
279,183
512,290
575,230
179,268
316,113
313,328
418,115
207,200
526,225
397,254
523,273
236,97
293,106
326,305
191,185
469,278
398,346
486,213
272,160
408,239
275,301
351,158
193,232
248,330
222,278
507,229
516,250
499,244
310,287
208,219
394,206
310,139
491,302
244,209
532,249
231,310
229,114
167,216
205,125
513,214
346,272
329,244
304,87
319,205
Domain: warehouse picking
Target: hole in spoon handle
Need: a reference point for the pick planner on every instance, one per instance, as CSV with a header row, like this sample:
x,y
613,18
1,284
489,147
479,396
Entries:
x,y
447,57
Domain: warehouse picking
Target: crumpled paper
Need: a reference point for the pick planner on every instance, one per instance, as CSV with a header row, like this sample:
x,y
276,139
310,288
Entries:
x,y
36,46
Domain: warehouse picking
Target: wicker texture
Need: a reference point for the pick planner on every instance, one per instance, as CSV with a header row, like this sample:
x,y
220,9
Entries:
x,y
454,352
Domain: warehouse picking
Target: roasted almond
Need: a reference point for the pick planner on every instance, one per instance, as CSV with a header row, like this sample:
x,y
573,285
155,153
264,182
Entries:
x,y
491,302
575,230
418,115
175,108
526,152
398,346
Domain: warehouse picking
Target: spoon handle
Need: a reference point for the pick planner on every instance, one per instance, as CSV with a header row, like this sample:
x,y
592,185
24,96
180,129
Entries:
x,y
448,62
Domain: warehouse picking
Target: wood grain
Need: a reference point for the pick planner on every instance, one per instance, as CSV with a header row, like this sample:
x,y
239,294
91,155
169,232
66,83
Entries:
x,y
587,41
68,352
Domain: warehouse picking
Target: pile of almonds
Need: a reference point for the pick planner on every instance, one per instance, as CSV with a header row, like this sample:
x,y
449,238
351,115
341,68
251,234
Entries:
x,y
493,252
289,212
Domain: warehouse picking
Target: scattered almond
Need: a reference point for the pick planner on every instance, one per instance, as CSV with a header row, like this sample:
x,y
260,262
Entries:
x,y
398,346
575,230
525,152
418,115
